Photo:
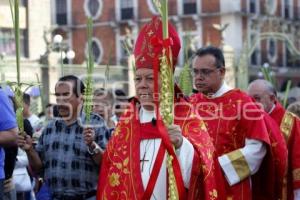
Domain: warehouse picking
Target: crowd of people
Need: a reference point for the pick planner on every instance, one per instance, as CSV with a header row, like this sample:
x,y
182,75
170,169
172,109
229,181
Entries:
x,y
224,143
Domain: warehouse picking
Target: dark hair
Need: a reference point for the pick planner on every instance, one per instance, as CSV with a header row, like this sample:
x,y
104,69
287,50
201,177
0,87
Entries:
x,y
106,93
119,94
78,84
49,105
214,51
26,98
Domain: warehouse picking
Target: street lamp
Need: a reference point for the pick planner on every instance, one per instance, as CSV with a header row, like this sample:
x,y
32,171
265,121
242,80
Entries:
x,y
64,50
70,55
55,44
57,39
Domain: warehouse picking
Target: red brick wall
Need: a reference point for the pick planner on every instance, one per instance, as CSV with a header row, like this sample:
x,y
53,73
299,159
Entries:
x,y
210,5
108,11
211,35
279,5
143,9
79,38
188,24
107,38
296,8
78,16
244,5
280,47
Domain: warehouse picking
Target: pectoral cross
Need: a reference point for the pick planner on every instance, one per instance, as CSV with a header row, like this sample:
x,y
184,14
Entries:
x,y
143,161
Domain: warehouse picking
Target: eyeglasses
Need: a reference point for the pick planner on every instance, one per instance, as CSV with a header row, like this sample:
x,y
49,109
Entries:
x,y
203,72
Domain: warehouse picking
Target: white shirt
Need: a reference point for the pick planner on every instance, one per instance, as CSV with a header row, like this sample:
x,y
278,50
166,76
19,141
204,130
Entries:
x,y
35,122
271,110
149,149
222,90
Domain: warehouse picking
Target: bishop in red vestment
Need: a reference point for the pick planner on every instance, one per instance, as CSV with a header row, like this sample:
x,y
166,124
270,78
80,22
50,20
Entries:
x,y
234,122
274,166
134,164
263,92
290,127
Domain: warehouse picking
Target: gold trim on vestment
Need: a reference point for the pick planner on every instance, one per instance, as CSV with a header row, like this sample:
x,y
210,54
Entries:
x,y
239,163
296,174
286,125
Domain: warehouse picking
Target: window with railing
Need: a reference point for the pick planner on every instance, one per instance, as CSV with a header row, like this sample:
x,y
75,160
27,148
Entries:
x,y
61,12
189,7
126,9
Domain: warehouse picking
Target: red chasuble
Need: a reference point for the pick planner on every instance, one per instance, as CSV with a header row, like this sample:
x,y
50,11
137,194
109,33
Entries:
x,y
274,166
230,119
290,128
120,175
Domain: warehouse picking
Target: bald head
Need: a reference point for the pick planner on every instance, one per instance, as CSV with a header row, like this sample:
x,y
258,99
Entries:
x,y
264,85
263,92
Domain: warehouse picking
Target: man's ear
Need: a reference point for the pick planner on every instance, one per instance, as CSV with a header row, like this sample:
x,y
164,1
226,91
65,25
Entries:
x,y
273,98
222,71
81,98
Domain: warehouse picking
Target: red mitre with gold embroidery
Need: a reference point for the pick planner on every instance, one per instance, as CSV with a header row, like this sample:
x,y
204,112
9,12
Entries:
x,y
150,43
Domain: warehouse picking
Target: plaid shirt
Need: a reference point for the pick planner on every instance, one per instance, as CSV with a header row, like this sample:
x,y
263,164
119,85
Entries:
x,y
68,167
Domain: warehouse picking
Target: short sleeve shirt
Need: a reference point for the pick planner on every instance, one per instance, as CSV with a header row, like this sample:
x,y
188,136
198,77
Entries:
x,y
68,167
7,121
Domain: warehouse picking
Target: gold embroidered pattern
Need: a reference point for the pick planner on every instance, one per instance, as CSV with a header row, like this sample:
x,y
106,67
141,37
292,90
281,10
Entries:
x,y
239,164
117,131
203,127
114,179
296,174
213,194
286,125
143,59
150,33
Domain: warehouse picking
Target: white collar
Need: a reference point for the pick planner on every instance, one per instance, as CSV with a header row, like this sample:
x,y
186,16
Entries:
x,y
222,90
273,107
146,115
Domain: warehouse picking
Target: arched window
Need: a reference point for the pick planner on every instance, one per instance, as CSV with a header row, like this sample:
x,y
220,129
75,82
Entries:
x,y
97,50
93,8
